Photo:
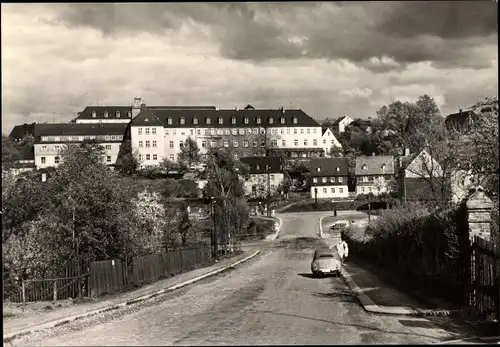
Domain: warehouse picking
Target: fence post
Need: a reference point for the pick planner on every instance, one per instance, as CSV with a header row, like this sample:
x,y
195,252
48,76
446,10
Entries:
x,y
23,294
55,290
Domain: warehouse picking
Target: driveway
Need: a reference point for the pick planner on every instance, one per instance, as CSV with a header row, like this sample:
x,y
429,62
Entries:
x,y
270,300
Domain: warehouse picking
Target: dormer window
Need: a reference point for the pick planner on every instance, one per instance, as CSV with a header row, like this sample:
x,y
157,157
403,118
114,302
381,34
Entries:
x,y
246,120
182,120
195,120
233,120
221,120
295,120
117,114
338,168
318,169
146,120
169,120
208,120
129,114
105,114
271,120
364,167
282,120
93,114
383,166
258,120
257,167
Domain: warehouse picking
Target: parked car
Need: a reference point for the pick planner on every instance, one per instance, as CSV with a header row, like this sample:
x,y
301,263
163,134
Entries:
x,y
340,225
326,261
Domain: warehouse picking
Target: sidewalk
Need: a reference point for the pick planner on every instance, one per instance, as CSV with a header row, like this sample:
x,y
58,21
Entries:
x,y
377,295
35,319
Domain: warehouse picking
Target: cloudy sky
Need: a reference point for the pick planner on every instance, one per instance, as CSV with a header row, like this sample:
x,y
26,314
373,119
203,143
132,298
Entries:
x,y
329,59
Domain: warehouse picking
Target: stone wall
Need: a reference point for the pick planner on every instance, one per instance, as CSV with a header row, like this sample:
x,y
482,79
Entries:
x,y
479,208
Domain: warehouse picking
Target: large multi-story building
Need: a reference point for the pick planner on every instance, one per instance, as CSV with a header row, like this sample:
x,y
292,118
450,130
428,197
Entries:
x,y
158,132
329,178
51,138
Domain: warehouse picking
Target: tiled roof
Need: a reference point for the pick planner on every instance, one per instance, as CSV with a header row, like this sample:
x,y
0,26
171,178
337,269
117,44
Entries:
x,y
420,189
460,120
146,118
19,131
268,118
373,165
100,111
338,120
328,166
274,164
79,129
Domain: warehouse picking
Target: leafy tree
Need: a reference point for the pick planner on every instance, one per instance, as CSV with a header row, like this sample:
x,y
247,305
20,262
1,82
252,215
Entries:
x,y
190,154
127,161
10,152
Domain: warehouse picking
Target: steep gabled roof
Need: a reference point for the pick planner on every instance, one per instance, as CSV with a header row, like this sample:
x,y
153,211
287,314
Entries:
x,y
375,165
328,166
146,118
338,120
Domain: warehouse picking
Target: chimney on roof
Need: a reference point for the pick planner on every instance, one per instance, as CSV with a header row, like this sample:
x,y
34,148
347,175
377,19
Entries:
x,y
236,108
137,106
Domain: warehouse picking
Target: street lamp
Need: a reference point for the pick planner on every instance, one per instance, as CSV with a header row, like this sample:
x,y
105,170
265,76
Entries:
x,y
213,235
315,197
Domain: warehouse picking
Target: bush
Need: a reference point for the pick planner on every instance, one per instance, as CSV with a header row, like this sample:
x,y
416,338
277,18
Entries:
x,y
417,242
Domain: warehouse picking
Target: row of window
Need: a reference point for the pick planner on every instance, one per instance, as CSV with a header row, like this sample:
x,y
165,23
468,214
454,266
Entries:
x,y
332,190
148,144
369,178
57,159
236,144
364,167
325,179
146,131
148,157
57,148
239,131
106,114
220,120
369,189
82,138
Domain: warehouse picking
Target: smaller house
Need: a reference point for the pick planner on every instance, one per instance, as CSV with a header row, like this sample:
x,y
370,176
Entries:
x,y
329,177
460,122
373,174
265,175
341,123
421,177
329,140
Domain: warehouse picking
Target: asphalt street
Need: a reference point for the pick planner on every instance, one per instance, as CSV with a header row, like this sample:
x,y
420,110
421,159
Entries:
x,y
272,299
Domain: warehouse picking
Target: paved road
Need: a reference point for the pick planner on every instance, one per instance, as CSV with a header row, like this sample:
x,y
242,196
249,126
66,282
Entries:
x,y
270,300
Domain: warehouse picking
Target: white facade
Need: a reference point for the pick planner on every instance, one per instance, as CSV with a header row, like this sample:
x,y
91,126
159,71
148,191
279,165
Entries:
x,y
344,123
260,182
329,192
376,185
285,137
422,166
328,141
149,143
48,154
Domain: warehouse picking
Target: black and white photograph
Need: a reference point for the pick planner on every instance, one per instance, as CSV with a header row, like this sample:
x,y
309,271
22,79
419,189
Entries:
x,y
250,173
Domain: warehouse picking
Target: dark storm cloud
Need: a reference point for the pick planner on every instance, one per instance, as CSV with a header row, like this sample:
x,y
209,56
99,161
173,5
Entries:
x,y
406,32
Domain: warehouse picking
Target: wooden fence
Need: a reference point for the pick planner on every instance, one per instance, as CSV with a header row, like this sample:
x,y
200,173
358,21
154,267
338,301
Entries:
x,y
485,278
106,277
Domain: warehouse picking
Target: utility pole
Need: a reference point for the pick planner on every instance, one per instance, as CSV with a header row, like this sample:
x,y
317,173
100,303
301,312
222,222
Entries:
x,y
213,237
268,168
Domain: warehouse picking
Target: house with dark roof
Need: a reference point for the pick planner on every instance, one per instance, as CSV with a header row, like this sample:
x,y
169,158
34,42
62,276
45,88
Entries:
x,y
421,178
265,176
50,139
341,123
460,122
329,178
291,133
374,174
19,131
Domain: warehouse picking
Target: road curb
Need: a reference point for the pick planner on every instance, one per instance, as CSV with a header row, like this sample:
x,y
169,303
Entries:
x,y
277,233
368,304
472,340
10,336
